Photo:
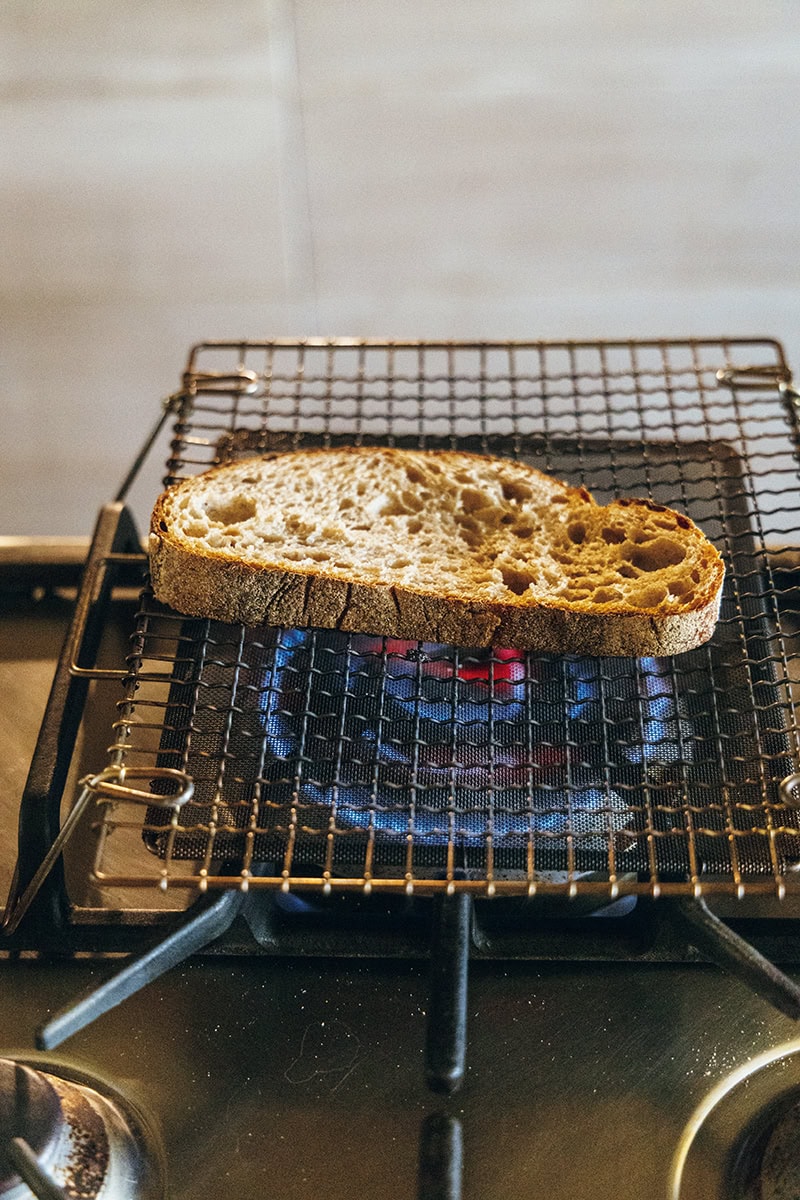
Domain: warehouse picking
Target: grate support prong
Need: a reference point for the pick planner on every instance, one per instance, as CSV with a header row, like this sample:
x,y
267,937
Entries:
x,y
732,953
198,928
440,1158
446,1044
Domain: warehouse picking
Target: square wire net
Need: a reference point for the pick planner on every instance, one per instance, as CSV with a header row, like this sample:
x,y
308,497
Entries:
x,y
348,761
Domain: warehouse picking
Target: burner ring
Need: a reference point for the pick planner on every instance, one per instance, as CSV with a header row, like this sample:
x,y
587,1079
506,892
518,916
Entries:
x,y
96,1142
737,1127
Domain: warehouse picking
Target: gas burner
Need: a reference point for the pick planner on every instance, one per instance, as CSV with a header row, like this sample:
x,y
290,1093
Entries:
x,y
481,736
382,740
69,1135
742,1142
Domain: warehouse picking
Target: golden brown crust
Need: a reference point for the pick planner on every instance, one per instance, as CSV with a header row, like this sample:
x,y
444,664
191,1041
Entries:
x,y
200,580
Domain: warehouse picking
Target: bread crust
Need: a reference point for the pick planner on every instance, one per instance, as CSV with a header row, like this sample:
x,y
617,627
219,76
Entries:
x,y
199,580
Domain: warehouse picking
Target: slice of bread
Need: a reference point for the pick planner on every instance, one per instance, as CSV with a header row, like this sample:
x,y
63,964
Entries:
x,y
440,546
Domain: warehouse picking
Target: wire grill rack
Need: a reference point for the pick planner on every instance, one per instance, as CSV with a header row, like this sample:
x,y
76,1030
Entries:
x,y
309,758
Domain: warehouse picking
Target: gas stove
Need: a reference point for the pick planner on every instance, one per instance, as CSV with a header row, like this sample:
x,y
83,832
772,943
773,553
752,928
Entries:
x,y
280,892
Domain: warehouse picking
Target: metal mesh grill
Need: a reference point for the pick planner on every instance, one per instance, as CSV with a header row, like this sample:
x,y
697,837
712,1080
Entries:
x,y
327,759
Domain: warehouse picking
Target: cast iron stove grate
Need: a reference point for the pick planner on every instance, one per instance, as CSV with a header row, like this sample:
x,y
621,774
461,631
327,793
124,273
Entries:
x,y
314,762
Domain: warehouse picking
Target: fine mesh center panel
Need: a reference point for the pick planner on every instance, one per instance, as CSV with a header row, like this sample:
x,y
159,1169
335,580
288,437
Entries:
x,y
319,756
323,750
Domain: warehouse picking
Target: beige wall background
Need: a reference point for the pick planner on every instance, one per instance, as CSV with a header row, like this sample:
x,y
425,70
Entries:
x,y
173,171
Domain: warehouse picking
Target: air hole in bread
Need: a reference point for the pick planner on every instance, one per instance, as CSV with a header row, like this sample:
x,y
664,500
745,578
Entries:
x,y
655,555
232,511
515,580
472,500
299,527
651,597
400,506
576,532
612,535
606,595
515,490
522,531
413,475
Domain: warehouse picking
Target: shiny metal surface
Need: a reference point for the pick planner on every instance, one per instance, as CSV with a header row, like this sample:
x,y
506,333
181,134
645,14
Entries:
x,y
741,1143
70,1134
305,1077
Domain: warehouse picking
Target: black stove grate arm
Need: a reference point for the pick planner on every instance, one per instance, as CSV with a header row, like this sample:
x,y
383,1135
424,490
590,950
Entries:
x,y
27,1166
446,1037
207,920
440,1158
732,953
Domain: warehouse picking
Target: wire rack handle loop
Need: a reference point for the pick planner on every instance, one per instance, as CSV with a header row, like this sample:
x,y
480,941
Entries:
x,y
107,786
790,790
755,376
112,784
243,382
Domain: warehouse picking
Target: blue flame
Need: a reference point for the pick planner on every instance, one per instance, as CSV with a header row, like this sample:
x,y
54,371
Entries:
x,y
451,745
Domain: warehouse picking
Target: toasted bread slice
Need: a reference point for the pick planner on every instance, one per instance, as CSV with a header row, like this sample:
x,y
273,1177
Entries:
x,y
439,546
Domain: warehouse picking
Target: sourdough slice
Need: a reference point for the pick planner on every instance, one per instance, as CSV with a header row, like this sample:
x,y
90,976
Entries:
x,y
437,546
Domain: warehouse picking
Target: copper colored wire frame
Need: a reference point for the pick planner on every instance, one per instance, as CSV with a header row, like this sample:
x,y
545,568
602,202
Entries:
x,y
707,426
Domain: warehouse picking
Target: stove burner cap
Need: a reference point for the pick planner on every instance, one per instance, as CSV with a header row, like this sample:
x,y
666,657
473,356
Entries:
x,y
779,1173
29,1109
742,1143
80,1137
